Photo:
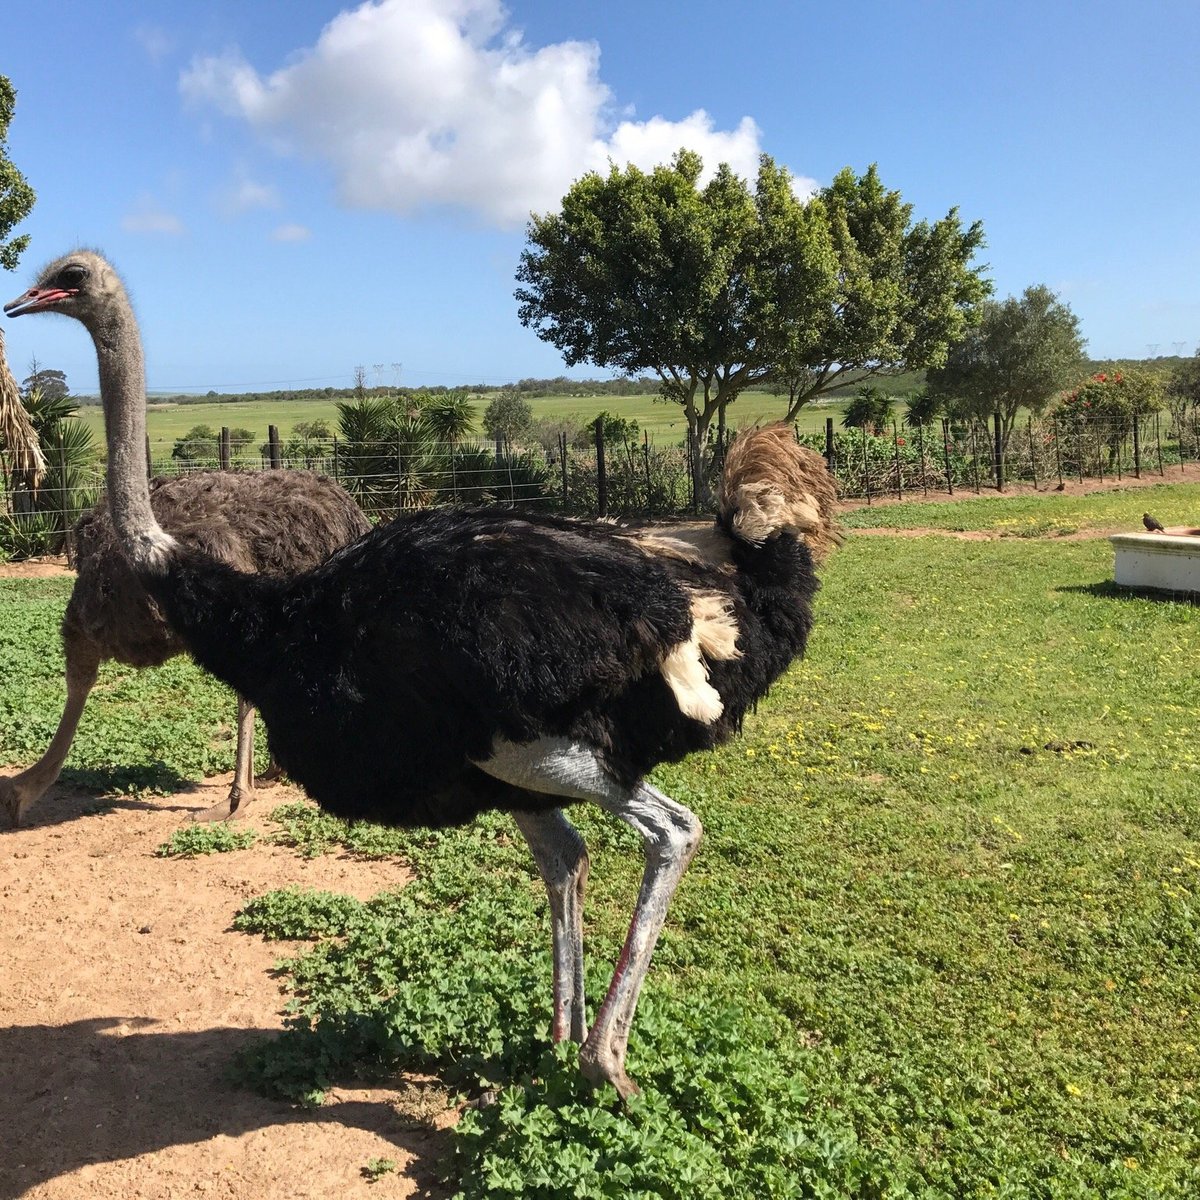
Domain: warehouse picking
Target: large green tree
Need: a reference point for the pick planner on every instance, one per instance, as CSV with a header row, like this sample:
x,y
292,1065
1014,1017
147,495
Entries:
x,y
16,196
704,287
1023,351
718,288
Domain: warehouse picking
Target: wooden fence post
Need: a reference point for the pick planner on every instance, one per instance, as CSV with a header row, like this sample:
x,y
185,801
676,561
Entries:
x,y
274,447
224,449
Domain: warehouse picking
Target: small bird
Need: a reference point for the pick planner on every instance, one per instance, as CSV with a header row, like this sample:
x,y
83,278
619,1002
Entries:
x,y
1153,524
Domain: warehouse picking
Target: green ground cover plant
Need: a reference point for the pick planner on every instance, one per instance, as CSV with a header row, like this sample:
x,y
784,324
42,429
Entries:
x,y
191,841
942,938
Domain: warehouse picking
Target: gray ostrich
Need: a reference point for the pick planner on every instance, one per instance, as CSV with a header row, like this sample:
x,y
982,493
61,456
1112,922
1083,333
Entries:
x,y
275,522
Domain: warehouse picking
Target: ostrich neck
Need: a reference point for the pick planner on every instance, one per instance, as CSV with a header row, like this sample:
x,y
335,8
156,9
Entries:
x,y
123,394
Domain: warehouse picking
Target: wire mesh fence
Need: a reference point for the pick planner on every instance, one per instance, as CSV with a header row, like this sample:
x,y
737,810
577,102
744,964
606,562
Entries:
x,y
630,478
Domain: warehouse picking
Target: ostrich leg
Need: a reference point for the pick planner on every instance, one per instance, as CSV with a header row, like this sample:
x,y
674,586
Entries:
x,y
20,792
562,860
670,836
242,790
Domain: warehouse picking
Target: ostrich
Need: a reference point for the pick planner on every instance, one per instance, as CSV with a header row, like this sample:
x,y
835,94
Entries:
x,y
456,661
279,522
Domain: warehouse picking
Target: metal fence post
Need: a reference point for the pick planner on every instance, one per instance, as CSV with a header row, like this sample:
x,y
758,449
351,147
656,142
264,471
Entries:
x,y
829,443
896,451
946,455
601,473
1137,447
998,450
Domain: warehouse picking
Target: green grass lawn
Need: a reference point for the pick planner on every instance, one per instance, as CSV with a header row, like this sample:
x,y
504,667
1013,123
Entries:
x,y
942,938
665,422
1040,514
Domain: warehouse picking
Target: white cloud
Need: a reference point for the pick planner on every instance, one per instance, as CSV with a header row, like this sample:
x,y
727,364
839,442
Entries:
x,y
246,194
148,217
415,103
291,233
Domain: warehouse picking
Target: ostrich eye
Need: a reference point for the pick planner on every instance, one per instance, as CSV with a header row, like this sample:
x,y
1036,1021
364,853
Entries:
x,y
72,276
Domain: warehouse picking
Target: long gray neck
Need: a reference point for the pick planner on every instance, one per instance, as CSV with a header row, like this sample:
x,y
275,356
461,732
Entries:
x,y
123,393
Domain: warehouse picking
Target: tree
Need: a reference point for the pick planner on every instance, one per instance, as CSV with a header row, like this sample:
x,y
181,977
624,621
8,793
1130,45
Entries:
x,y
51,384
1022,352
1183,389
703,287
904,293
308,444
719,288
199,444
16,196
508,416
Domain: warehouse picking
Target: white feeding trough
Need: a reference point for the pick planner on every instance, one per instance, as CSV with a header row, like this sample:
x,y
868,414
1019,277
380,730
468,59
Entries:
x,y
1165,562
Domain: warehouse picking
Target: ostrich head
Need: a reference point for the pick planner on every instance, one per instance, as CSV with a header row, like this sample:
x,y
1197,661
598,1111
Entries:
x,y
80,285
84,286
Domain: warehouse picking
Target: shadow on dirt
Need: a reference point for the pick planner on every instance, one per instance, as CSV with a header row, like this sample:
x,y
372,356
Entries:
x,y
110,1089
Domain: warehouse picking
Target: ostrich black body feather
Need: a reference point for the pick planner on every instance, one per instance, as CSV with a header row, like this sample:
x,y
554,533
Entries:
x,y
384,674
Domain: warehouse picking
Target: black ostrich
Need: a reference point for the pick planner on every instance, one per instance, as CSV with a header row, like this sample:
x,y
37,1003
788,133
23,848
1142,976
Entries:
x,y
456,661
280,522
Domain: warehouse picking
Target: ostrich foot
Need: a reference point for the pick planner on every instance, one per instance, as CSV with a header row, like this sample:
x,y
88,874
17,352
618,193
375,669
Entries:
x,y
232,809
272,774
13,802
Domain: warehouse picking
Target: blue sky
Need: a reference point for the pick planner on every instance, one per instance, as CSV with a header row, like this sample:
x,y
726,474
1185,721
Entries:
x,y
295,187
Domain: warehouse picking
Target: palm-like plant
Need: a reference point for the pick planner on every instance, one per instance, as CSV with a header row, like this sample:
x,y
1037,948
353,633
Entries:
x,y
70,484
869,410
922,410
450,417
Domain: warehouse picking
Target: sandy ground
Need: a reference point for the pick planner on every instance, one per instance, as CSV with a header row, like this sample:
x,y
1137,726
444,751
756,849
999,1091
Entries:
x,y
124,995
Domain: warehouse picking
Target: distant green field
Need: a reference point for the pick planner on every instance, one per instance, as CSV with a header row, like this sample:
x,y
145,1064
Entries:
x,y
664,422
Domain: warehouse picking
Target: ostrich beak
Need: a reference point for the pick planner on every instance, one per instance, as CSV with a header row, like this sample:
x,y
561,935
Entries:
x,y
37,299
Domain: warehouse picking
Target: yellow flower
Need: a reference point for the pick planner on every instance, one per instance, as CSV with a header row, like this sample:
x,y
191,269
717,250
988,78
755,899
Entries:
x,y
1131,1163
1073,1090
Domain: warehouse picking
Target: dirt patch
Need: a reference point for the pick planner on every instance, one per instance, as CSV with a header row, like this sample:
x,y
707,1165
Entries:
x,y
35,568
963,535
126,996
